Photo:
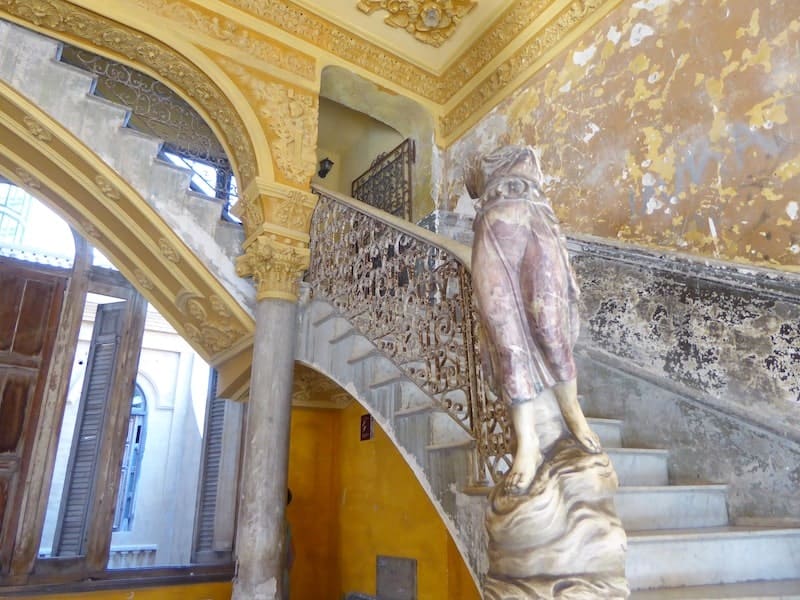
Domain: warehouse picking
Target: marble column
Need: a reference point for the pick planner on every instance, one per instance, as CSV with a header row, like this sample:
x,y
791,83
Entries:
x,y
261,526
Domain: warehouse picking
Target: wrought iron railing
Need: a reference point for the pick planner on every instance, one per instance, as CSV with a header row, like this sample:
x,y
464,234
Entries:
x,y
410,293
387,184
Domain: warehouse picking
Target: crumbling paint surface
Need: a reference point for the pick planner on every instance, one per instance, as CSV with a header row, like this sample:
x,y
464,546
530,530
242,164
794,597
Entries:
x,y
739,347
671,124
762,470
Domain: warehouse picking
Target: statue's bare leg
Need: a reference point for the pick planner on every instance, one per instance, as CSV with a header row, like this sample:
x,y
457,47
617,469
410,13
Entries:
x,y
567,396
528,456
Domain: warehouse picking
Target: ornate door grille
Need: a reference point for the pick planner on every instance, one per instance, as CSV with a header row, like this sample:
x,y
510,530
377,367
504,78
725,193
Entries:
x,y
387,183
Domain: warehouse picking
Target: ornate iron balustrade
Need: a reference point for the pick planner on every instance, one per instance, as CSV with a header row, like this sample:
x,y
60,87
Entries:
x,y
411,296
159,112
387,183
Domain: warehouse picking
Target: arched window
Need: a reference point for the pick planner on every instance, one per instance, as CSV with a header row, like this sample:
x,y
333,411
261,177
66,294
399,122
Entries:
x,y
131,461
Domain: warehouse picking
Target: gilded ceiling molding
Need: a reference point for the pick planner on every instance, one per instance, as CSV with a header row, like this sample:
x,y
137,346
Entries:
x,y
429,21
39,154
275,267
113,40
325,35
288,114
575,13
215,26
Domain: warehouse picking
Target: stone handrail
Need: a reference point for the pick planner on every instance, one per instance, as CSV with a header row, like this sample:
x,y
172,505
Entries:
x,y
410,292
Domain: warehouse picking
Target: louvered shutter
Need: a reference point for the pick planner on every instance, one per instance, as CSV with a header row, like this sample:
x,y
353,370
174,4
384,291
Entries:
x,y
216,506
72,528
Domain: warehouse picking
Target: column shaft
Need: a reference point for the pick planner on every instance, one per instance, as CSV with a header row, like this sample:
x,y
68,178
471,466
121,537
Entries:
x,y
261,528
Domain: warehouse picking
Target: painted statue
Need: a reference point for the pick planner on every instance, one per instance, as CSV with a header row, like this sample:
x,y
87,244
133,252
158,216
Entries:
x,y
527,300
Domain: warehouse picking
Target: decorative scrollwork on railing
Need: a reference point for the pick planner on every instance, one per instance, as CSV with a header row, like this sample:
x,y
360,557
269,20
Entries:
x,y
413,299
387,183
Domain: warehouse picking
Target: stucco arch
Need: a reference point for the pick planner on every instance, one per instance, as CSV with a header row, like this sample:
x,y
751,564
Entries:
x,y
404,115
162,53
40,155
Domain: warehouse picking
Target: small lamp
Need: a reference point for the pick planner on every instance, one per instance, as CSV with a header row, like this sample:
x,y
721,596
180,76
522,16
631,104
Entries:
x,y
325,166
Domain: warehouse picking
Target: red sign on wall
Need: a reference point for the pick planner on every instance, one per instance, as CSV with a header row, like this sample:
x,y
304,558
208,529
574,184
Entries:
x,y
366,427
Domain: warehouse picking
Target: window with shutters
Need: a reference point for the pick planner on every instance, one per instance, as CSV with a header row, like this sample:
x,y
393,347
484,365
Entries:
x,y
131,461
143,465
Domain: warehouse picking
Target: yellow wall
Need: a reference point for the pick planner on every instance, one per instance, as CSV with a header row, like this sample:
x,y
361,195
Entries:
x,y
314,481
201,591
369,497
669,124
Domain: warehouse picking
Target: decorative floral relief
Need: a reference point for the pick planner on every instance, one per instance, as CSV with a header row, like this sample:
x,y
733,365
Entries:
x,y
37,129
223,29
168,251
430,21
107,188
208,325
291,117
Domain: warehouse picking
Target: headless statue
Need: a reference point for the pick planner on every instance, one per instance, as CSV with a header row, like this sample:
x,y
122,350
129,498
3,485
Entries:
x,y
527,300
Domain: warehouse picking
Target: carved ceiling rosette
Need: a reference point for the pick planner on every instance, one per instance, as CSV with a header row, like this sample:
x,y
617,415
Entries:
x,y
430,21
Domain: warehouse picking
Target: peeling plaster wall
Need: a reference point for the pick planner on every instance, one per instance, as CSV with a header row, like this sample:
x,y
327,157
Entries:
x,y
701,359
731,338
671,124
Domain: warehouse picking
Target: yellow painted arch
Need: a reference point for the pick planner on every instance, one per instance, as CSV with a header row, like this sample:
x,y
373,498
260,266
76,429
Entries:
x,y
40,155
160,51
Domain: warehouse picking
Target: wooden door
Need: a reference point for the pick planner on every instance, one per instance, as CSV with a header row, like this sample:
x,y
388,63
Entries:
x,y
30,306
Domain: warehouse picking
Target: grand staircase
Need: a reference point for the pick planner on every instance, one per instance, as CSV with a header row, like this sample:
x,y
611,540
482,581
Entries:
x,y
680,541
29,63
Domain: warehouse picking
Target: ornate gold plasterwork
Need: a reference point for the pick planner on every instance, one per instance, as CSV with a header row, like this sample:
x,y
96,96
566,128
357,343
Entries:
x,y
220,28
519,62
275,267
27,179
289,115
168,251
37,130
107,188
250,212
430,21
141,278
309,27
209,321
125,45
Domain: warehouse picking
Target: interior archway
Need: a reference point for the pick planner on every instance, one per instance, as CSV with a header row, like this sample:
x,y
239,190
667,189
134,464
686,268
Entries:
x,y
402,114
38,154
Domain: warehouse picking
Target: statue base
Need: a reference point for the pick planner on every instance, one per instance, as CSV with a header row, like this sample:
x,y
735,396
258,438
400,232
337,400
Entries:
x,y
562,538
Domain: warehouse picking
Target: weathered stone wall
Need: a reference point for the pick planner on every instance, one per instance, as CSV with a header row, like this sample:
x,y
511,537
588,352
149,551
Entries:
x,y
732,337
702,359
761,469
671,124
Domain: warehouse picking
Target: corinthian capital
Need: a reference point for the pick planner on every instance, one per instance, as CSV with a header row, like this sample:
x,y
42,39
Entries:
x,y
275,267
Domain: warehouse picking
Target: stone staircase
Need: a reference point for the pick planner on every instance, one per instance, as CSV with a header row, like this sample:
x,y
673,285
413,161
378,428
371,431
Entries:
x,y
681,544
680,541
29,63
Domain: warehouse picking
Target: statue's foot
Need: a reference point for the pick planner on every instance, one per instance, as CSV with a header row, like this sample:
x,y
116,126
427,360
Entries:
x,y
522,473
586,437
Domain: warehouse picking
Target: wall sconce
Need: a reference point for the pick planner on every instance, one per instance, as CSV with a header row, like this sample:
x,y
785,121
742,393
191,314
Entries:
x,y
325,166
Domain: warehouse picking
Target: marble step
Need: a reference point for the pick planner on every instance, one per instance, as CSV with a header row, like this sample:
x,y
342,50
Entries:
x,y
639,467
609,431
758,590
672,507
711,556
